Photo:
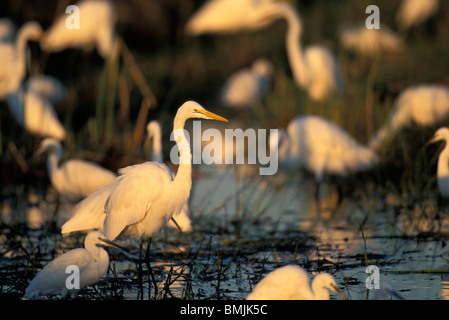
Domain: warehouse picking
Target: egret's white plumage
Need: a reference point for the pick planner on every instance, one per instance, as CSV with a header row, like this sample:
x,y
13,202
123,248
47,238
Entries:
x,y
74,178
370,42
421,105
415,12
97,23
32,107
228,16
321,147
442,134
13,55
144,197
92,262
293,283
247,87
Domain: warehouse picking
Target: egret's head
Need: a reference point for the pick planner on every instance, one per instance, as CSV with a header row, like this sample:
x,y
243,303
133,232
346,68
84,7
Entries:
x,y
441,134
192,109
327,281
51,145
31,31
263,67
153,128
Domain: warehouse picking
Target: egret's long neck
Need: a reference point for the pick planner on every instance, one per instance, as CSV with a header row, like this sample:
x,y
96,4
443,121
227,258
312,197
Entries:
x,y
184,175
52,165
20,49
293,45
157,153
443,163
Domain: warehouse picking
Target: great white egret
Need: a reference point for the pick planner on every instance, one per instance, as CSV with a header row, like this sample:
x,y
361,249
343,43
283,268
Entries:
x,y
145,196
92,262
442,134
32,107
13,66
96,29
415,12
370,42
75,178
314,68
246,88
422,105
292,282
228,16
321,147
89,214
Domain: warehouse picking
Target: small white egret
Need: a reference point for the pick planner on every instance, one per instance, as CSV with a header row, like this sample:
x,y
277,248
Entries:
x,y
227,16
292,282
422,105
13,66
415,12
74,178
92,261
7,30
32,106
442,134
387,292
247,87
97,22
370,42
321,147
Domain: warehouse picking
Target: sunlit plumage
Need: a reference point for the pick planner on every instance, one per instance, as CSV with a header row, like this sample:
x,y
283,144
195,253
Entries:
x,y
414,12
370,42
7,30
73,178
442,134
422,105
247,87
293,283
144,197
32,107
227,16
13,55
321,147
92,262
97,23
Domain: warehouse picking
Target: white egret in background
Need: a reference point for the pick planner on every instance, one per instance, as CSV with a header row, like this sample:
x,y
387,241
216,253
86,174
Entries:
x,y
421,105
292,282
442,134
92,262
96,29
321,147
32,106
7,30
228,16
247,87
315,68
370,42
74,178
415,12
387,292
89,214
13,58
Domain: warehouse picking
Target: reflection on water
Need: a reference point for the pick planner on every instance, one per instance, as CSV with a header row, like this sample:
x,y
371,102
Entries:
x,y
244,229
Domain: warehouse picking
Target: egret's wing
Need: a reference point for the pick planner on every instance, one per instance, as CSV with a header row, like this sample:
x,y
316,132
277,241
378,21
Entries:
x,y
132,195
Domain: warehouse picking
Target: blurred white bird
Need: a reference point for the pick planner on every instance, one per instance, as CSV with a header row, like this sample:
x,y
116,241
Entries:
x,y
292,282
7,30
32,106
247,87
13,55
387,292
74,178
415,12
228,16
370,42
92,262
144,197
442,134
421,105
97,22
89,214
321,147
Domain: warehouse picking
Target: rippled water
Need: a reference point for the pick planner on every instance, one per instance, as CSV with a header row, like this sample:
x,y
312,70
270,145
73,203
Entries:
x,y
242,230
